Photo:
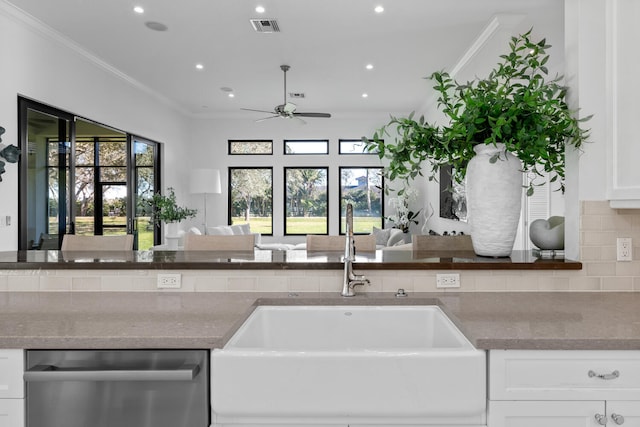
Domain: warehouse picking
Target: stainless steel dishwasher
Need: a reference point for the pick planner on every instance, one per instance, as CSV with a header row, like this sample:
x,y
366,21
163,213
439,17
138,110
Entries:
x,y
117,388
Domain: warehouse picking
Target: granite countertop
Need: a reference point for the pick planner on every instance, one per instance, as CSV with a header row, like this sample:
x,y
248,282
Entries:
x,y
273,260
527,320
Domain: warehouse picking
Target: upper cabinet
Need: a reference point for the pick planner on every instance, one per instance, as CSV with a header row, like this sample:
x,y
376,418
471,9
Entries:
x,y
623,87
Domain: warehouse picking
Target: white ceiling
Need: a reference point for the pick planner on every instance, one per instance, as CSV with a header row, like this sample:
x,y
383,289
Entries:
x,y
327,43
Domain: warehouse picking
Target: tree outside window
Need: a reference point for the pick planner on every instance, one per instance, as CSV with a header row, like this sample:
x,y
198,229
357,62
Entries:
x,y
306,203
251,198
362,187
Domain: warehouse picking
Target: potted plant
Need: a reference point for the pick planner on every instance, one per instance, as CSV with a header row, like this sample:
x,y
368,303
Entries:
x,y
517,113
165,209
404,216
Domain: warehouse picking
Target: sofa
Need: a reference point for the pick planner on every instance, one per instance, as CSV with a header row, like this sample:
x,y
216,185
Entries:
x,y
385,237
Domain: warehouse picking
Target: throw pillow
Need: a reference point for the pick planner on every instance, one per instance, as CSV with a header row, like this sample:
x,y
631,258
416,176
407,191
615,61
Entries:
x,y
244,228
382,235
223,230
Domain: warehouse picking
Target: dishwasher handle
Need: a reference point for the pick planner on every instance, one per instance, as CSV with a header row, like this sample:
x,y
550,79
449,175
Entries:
x,y
186,372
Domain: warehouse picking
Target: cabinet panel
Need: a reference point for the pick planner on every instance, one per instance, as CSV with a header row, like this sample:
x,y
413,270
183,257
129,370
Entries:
x,y
623,413
12,413
11,370
623,86
564,375
547,414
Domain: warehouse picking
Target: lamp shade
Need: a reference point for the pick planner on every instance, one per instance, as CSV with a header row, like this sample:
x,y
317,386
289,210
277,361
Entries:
x,y
205,181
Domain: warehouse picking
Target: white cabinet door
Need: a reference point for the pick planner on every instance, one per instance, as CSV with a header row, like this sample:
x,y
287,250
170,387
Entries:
x,y
12,413
623,70
11,371
545,413
623,413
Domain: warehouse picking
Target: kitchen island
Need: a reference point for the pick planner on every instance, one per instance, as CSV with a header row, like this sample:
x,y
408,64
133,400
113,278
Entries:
x,y
490,320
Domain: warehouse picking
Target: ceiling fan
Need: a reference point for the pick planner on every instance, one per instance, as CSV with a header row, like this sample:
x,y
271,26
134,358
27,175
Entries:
x,y
287,110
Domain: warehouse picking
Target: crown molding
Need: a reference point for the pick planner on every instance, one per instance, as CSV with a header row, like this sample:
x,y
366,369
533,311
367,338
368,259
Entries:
x,y
21,17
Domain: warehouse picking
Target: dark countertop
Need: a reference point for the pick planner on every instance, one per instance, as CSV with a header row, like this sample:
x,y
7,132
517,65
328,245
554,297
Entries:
x,y
490,320
272,260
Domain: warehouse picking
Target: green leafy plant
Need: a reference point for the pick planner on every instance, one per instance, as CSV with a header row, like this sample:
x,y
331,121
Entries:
x,y
516,105
166,209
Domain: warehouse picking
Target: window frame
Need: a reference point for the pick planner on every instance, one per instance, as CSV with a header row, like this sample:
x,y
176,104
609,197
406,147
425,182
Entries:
x,y
284,201
230,142
364,153
285,141
342,231
230,170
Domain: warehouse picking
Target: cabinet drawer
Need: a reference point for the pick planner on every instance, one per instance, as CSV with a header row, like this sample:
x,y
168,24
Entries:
x,y
544,414
12,413
574,375
11,371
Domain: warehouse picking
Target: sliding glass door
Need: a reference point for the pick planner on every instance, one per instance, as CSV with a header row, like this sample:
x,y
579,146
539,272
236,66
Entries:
x,y
81,177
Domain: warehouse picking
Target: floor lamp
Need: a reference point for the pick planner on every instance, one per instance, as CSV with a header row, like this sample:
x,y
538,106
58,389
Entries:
x,y
205,181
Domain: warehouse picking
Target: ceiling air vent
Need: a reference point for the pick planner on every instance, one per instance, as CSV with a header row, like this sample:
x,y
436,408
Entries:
x,y
265,25
296,95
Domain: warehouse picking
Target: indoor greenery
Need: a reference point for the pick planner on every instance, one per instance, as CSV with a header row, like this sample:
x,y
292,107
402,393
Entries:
x,y
166,209
516,105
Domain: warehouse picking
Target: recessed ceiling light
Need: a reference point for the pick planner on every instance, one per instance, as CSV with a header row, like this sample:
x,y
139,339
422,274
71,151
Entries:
x,y
260,9
156,26
379,9
365,95
231,95
199,66
138,9
369,66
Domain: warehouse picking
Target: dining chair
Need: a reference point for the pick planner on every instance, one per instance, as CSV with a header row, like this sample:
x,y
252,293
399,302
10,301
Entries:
x,y
73,242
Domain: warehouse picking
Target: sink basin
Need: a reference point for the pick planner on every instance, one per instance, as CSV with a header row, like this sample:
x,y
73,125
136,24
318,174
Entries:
x,y
348,364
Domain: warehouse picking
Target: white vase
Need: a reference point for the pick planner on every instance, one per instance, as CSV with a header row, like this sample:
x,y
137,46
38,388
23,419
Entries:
x,y
494,198
171,235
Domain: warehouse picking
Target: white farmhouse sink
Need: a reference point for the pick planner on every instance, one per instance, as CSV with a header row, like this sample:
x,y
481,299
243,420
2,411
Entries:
x,y
348,364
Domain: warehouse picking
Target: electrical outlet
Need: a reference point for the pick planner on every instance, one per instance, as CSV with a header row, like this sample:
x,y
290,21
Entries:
x,y
625,249
169,281
450,280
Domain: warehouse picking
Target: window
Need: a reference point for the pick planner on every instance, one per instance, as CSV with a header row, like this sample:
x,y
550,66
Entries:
x,y
80,177
362,187
251,198
306,146
251,147
353,146
306,201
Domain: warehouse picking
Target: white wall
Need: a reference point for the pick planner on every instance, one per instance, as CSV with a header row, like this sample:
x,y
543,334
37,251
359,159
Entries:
x,y
38,64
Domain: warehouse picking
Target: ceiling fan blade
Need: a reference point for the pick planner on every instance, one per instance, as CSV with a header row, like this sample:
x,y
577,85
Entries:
x,y
259,111
320,115
266,118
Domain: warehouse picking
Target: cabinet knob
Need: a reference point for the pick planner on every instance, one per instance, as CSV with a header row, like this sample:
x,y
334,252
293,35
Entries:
x,y
617,418
601,419
612,376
